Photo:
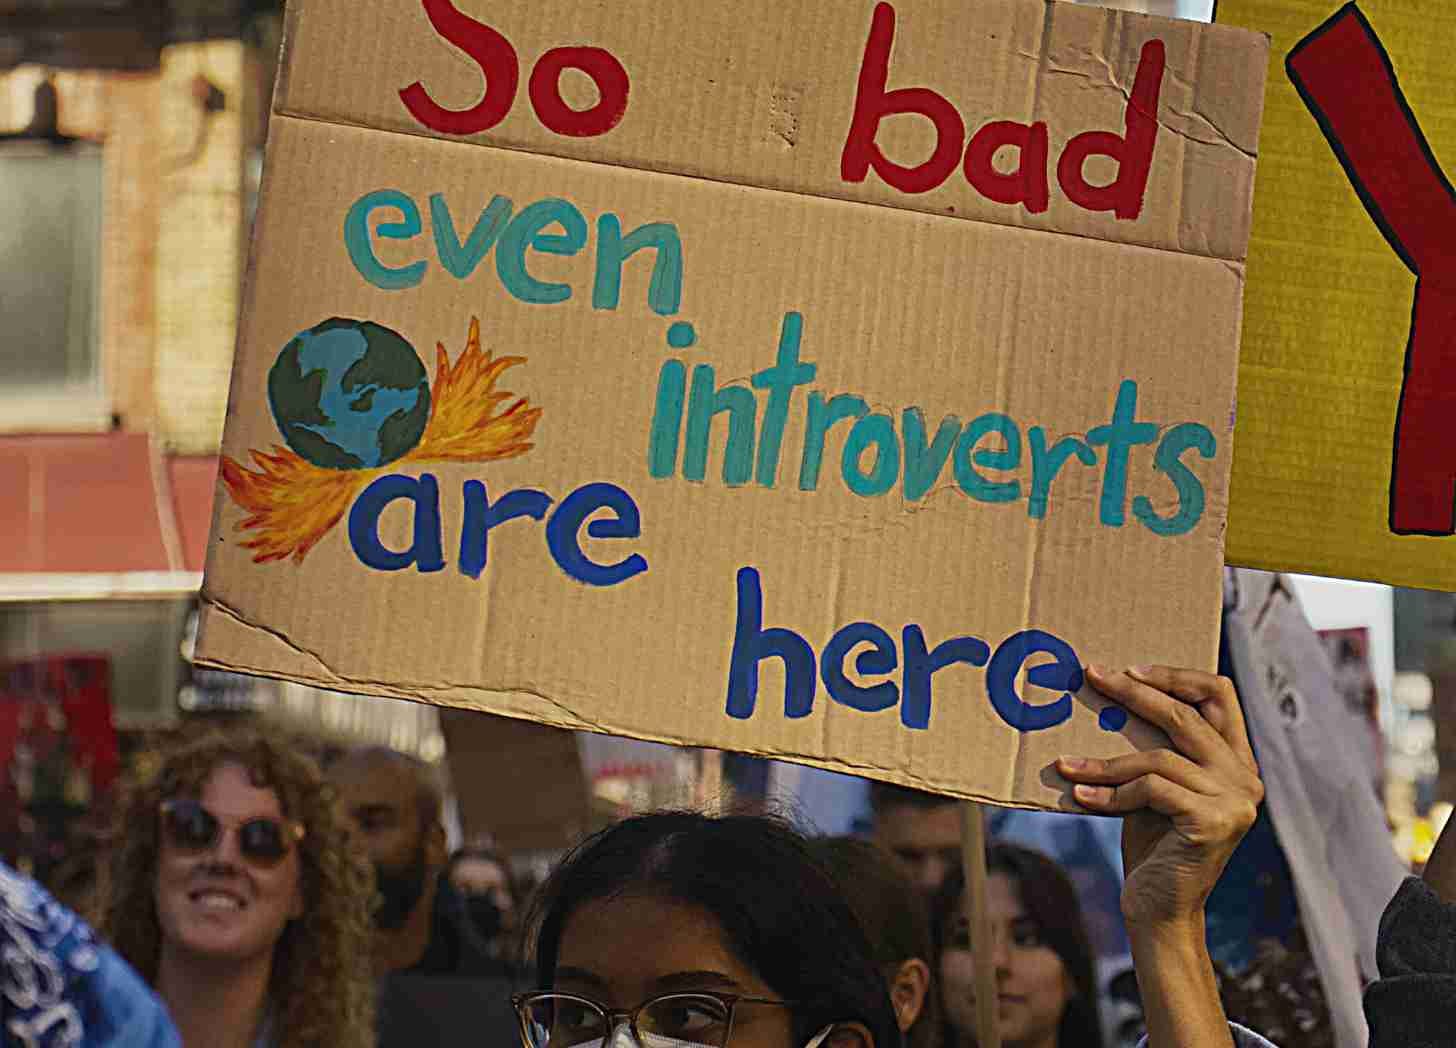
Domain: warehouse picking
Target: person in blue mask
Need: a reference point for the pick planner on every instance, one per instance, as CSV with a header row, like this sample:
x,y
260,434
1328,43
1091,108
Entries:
x,y
60,987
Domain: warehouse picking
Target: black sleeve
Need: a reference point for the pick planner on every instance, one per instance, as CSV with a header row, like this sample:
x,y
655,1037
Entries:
x,y
1413,1003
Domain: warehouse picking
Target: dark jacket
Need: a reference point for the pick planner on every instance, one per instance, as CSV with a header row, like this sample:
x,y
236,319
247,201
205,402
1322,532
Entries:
x,y
455,948
1413,1003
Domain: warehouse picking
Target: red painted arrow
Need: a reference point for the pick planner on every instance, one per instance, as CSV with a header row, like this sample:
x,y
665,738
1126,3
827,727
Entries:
x,y
1346,79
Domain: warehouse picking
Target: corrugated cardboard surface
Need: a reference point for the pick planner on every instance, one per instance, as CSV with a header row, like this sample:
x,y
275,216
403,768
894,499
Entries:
x,y
906,309
761,92
1327,321
521,783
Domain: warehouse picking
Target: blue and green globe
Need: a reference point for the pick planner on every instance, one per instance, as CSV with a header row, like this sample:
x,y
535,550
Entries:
x,y
349,394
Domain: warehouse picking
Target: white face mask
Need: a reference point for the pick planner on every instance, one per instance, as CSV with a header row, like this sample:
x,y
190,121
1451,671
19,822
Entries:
x,y
820,1037
621,1037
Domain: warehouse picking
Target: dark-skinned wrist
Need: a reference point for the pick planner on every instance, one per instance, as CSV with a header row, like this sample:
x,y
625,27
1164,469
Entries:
x,y
1164,929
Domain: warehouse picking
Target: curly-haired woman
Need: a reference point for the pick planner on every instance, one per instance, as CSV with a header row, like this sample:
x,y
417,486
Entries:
x,y
233,889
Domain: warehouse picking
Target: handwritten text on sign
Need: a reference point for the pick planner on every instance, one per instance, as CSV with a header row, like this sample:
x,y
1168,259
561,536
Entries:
x,y
816,403
993,458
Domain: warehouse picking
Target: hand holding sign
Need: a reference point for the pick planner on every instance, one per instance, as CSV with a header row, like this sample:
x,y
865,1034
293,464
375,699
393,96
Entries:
x,y
1186,808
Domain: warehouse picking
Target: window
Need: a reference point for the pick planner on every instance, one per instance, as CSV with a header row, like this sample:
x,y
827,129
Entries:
x,y
50,244
141,638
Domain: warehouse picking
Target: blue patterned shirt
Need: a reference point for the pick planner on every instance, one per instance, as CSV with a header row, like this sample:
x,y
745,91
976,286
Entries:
x,y
60,987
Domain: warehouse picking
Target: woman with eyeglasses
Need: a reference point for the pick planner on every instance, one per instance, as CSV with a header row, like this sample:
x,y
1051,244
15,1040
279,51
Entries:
x,y
686,931
234,890
683,930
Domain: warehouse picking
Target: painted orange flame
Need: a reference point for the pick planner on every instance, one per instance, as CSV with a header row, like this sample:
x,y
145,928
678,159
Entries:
x,y
292,503
463,426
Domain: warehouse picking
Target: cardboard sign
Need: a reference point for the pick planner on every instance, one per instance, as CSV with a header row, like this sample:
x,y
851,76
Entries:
x,y
1347,391
521,783
823,381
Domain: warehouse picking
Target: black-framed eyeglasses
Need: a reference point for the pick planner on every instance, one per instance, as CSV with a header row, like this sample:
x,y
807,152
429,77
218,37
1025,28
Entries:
x,y
565,1020
190,827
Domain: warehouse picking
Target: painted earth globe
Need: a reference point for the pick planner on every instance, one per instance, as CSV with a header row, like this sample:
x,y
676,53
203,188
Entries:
x,y
349,394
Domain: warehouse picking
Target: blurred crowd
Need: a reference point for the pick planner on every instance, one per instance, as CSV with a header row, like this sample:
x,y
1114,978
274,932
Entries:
x,y
256,892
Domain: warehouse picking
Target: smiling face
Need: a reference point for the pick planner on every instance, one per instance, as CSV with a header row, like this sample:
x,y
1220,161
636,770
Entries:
x,y
1033,985
623,951
218,904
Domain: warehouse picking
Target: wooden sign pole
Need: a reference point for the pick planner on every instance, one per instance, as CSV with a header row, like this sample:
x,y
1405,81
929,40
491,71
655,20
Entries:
x,y
710,781
973,858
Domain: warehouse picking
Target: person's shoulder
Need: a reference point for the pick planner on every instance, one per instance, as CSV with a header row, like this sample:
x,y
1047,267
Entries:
x,y
1248,1038
56,955
1242,1039
1417,932
1413,1003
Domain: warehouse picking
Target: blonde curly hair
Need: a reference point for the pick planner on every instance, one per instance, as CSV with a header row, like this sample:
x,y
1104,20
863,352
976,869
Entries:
x,y
321,988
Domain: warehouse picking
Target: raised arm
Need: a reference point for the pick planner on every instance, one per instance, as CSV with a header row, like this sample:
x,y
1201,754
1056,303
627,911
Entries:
x,y
1184,809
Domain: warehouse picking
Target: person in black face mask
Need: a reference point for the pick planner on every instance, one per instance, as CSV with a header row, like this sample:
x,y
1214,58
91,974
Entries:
x,y
422,923
482,877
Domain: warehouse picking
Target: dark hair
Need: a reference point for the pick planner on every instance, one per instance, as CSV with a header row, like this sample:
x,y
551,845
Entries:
x,y
1050,900
480,854
781,912
320,988
893,914
885,795
428,802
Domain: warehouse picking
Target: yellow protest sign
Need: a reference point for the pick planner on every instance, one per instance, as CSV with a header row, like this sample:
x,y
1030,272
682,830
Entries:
x,y
1345,447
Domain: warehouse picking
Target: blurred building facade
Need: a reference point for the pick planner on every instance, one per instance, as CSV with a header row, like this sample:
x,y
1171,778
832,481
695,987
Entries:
x,y
131,143
131,151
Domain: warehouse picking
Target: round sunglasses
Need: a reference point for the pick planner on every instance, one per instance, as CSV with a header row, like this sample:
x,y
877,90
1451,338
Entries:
x,y
189,827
